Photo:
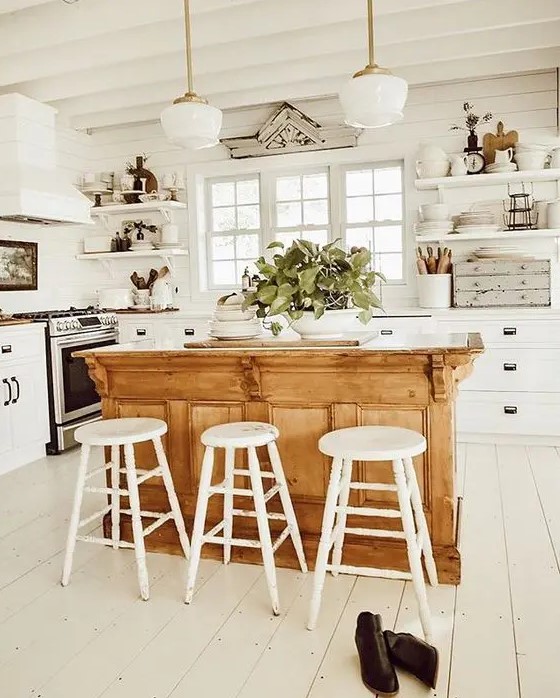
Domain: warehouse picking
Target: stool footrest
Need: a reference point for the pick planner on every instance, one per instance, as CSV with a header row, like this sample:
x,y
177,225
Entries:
x,y
373,487
269,494
375,532
281,538
223,489
105,490
370,572
104,541
369,511
272,515
96,515
239,542
147,474
157,523
96,471
246,473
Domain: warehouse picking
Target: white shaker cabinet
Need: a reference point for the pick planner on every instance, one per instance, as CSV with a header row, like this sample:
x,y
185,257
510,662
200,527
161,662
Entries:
x,y
24,408
164,330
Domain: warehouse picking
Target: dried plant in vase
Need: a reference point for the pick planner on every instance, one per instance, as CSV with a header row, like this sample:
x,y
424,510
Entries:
x,y
472,121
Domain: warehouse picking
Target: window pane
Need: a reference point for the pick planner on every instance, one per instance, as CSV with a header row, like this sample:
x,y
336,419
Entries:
x,y
288,215
247,246
388,207
359,209
390,265
359,182
388,238
315,186
248,217
388,180
321,237
248,191
288,188
223,194
224,273
315,212
287,238
359,237
222,247
224,218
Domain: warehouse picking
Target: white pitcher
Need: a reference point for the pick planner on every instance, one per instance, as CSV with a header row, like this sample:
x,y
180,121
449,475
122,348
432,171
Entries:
x,y
458,165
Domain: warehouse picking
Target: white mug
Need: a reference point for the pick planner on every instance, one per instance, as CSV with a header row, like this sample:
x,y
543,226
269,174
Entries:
x,y
502,157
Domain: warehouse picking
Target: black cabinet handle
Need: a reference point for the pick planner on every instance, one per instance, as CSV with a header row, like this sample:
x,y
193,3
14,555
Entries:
x,y
386,332
7,382
189,332
6,349
141,332
509,331
18,389
510,367
510,409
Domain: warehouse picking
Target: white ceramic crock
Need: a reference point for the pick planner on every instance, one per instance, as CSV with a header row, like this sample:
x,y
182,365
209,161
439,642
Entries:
x,y
334,323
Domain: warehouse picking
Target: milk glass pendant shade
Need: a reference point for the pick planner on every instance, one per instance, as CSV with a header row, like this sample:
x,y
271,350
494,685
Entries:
x,y
373,97
190,122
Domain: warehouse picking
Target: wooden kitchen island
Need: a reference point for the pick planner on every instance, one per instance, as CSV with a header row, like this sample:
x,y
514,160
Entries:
x,y
409,382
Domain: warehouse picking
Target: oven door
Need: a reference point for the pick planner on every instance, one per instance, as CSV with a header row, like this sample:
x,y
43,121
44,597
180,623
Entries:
x,y
74,392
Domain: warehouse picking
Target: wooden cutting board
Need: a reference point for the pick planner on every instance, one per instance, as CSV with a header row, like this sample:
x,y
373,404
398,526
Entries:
x,y
354,339
5,323
500,141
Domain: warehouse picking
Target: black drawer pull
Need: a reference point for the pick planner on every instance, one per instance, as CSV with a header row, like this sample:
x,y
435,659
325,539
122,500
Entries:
x,y
6,382
510,409
386,332
6,349
509,331
141,332
189,332
18,389
510,367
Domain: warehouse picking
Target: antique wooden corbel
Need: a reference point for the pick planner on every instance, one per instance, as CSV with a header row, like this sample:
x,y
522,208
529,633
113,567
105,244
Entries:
x,y
440,372
98,375
251,383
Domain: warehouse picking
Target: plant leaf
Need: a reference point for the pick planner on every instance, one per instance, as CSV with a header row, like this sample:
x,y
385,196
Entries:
x,y
274,244
365,316
307,279
279,305
267,294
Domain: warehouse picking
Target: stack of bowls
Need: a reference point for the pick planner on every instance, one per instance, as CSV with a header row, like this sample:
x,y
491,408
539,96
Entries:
x,y
435,220
432,162
476,222
230,321
531,156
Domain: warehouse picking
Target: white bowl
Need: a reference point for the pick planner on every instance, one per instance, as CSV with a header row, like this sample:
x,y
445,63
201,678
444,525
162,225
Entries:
x,y
434,212
431,152
427,169
530,160
234,316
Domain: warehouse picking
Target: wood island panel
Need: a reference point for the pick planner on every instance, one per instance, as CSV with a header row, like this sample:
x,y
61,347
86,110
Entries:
x,y
305,393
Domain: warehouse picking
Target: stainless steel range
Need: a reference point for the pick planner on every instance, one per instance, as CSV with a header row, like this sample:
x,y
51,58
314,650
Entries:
x,y
73,400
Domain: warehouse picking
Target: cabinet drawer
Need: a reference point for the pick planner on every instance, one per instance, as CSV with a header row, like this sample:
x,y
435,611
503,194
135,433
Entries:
x,y
135,331
502,283
511,413
391,326
16,344
502,299
510,332
522,370
538,266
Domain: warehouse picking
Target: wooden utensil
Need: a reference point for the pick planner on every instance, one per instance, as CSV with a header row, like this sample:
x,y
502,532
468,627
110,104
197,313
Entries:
x,y
134,279
431,262
152,277
421,262
500,141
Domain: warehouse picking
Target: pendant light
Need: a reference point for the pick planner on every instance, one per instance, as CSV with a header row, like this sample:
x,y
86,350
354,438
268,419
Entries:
x,y
373,97
190,121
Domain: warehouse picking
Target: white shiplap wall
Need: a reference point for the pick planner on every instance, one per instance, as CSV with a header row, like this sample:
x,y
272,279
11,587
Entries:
x,y
527,102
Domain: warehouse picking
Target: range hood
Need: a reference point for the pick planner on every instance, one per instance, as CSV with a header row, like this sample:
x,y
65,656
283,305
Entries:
x,y
32,189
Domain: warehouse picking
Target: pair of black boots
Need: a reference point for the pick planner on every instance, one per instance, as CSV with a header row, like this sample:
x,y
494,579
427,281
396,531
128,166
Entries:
x,y
381,651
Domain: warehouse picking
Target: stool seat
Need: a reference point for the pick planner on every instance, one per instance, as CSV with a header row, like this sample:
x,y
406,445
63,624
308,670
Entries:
x,y
118,432
240,435
372,443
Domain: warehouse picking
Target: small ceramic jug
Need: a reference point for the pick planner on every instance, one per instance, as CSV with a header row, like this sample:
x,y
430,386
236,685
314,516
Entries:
x,y
502,157
458,165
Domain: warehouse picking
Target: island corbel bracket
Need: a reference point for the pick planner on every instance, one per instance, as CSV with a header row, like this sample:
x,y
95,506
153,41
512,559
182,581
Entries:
x,y
98,375
251,383
441,390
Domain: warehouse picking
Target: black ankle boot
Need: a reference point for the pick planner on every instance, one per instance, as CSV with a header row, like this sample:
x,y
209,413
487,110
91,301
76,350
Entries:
x,y
378,673
414,655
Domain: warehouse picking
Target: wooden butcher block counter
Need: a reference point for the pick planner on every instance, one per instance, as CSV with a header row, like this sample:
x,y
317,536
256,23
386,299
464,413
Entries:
x,y
407,381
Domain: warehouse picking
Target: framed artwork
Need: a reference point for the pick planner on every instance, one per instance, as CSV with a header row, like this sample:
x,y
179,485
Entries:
x,y
18,266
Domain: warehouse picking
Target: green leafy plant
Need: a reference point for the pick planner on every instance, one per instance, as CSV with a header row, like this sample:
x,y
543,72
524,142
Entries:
x,y
308,278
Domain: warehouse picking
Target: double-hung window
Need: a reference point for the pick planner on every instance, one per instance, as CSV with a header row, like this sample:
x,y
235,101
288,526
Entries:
x,y
234,228
373,214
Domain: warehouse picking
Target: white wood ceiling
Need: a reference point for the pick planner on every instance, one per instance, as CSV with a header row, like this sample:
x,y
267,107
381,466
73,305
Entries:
x,y
109,62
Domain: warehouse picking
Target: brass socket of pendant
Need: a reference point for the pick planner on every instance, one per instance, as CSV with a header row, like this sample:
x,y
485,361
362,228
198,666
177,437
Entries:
x,y
190,97
372,70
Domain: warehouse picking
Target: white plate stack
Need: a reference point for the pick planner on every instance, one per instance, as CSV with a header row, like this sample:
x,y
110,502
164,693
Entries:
x,y
476,222
230,321
497,167
512,252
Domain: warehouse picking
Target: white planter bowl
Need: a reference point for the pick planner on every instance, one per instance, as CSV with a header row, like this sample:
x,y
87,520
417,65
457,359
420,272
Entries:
x,y
434,212
427,169
334,323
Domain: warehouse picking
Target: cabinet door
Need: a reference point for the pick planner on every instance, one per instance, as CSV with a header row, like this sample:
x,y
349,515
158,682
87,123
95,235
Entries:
x,y
29,408
5,414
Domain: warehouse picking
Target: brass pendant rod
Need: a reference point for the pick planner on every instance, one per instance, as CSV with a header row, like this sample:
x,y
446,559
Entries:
x,y
371,39
188,47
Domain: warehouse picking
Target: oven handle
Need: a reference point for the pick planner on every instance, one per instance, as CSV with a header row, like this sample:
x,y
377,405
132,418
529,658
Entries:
x,y
77,340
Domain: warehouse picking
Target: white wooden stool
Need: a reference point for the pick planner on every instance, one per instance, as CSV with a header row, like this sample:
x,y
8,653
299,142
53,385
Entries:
x,y
374,443
115,433
244,435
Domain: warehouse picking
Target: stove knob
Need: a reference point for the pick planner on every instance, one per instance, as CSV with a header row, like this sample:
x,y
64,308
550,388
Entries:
x,y
59,326
76,325
114,320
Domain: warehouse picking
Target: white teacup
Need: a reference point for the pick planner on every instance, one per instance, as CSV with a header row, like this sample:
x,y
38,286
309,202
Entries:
x,y
502,157
530,160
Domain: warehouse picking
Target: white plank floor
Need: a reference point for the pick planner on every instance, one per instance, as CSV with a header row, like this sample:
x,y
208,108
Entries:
x,y
496,632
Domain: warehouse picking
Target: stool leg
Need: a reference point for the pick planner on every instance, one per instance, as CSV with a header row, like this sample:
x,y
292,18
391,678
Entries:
x,y
137,530
278,470
75,517
264,530
324,544
421,523
342,515
172,496
228,503
115,496
199,520
414,554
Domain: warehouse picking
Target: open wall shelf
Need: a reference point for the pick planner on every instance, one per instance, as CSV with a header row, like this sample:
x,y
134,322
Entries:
x,y
486,180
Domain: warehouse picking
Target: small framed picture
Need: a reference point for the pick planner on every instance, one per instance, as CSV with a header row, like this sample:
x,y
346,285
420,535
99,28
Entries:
x,y
18,266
